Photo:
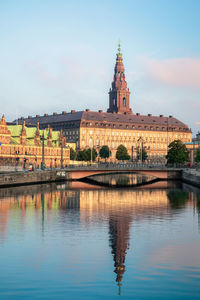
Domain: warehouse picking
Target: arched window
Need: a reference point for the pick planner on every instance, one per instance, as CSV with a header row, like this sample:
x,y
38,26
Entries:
x,y
114,102
124,101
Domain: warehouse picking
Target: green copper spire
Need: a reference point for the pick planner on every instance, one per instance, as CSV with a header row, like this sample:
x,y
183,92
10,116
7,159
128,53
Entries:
x,y
119,49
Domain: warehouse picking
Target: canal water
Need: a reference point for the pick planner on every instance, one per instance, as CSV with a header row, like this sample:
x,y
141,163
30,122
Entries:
x,y
76,241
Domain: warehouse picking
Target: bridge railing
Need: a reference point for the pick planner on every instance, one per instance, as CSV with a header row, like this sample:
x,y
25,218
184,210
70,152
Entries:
x,y
119,166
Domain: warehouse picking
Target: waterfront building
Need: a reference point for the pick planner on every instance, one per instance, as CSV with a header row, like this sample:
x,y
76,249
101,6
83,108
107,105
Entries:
x,y
119,125
21,145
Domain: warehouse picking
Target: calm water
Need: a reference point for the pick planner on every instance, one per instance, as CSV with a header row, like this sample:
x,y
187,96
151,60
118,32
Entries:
x,y
58,242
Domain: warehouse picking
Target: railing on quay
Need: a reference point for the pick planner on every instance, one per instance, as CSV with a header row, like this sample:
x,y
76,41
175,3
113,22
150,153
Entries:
x,y
103,166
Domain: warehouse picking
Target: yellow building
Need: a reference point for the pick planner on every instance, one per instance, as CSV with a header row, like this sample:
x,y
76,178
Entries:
x,y
21,145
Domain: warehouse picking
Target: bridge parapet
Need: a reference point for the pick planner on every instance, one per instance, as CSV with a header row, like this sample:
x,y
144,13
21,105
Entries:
x,y
158,172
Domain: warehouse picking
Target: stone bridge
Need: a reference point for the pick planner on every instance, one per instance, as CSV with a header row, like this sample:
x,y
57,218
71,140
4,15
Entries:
x,y
161,173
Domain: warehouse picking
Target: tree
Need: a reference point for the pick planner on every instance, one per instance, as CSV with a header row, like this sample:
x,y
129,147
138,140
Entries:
x,y
72,154
197,157
122,153
177,152
85,155
144,154
94,154
104,152
81,155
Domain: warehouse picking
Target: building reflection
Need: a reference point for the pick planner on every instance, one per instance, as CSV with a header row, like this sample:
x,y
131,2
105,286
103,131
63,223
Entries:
x,y
119,208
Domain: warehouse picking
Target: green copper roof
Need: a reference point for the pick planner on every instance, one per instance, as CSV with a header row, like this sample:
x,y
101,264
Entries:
x,y
16,130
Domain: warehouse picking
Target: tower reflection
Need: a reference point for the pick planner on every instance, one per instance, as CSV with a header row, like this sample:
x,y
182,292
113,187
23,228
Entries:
x,y
119,226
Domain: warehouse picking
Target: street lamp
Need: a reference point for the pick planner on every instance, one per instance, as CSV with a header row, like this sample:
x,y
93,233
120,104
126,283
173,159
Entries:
x,y
61,155
91,145
141,149
17,158
43,151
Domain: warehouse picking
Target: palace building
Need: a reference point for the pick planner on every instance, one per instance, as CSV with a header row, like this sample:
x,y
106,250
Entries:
x,y
119,125
19,144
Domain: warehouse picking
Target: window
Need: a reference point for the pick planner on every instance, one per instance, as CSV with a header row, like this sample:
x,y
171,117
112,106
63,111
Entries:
x,y
124,101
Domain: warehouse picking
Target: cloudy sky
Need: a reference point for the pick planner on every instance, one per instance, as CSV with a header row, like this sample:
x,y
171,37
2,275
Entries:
x,y
58,55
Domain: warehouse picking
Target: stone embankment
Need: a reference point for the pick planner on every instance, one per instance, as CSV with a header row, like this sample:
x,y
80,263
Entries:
x,y
191,176
25,177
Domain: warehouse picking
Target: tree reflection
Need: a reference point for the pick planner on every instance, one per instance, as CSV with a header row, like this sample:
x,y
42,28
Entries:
x,y
178,199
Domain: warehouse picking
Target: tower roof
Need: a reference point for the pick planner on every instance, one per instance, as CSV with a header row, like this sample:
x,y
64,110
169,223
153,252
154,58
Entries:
x,y
119,93
119,50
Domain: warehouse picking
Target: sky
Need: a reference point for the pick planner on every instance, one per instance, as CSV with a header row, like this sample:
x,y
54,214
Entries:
x,y
59,55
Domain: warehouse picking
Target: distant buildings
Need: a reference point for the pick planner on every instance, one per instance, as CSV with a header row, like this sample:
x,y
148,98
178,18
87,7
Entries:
x,y
21,145
119,125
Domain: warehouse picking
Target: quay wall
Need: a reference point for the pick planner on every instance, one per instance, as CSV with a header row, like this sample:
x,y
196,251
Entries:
x,y
192,177
25,178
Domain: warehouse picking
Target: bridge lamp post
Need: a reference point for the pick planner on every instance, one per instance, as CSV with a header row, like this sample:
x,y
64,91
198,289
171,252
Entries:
x,y
42,138
140,140
91,145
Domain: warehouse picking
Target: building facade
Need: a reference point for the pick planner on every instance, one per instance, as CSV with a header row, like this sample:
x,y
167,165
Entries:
x,y
21,146
119,125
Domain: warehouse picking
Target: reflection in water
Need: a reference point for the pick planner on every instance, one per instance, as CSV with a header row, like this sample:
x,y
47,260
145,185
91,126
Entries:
x,y
178,198
118,208
119,242
120,180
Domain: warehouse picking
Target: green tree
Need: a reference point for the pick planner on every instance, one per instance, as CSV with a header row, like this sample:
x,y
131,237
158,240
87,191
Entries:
x,y
72,154
122,153
85,155
81,155
177,152
94,154
104,152
144,154
197,157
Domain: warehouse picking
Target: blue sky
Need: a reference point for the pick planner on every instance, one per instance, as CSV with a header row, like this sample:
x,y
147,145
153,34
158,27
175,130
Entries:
x,y
60,55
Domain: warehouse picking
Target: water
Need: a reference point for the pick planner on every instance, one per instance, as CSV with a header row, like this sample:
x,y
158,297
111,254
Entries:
x,y
81,242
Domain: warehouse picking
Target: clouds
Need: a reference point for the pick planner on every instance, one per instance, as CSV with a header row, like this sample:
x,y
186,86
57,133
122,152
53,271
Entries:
x,y
178,72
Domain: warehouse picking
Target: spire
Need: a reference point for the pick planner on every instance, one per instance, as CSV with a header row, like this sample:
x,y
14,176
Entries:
x,y
119,93
119,49
37,135
49,141
38,130
3,121
23,134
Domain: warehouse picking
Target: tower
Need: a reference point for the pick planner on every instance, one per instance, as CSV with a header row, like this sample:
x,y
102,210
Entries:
x,y
119,93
